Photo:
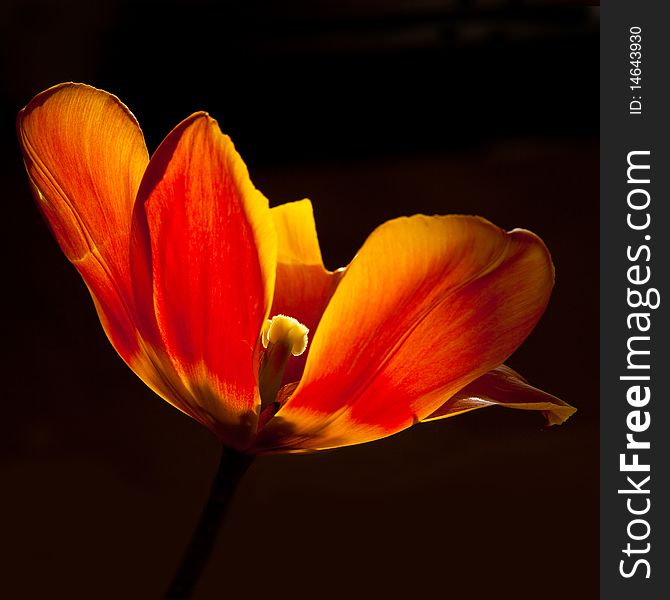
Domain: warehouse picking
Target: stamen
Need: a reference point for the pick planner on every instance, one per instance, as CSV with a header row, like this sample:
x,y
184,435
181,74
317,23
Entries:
x,y
282,337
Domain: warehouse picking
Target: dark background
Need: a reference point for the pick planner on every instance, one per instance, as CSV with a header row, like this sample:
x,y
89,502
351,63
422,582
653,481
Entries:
x,y
372,109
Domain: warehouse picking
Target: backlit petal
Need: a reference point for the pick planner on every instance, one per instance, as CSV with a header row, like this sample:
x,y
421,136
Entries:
x,y
85,156
304,286
505,387
203,262
428,305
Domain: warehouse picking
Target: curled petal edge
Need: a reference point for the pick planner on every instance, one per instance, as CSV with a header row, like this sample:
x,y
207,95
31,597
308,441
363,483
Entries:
x,y
503,386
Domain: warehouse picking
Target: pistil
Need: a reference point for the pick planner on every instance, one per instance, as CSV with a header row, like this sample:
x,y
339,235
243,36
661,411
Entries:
x,y
282,337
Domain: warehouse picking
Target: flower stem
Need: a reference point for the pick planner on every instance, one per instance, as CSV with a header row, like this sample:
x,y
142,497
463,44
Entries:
x,y
232,467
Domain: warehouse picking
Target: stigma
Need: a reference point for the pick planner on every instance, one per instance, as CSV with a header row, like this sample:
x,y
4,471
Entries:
x,y
289,332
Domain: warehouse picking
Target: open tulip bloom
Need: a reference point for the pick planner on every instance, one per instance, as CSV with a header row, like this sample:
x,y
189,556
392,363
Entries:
x,y
223,307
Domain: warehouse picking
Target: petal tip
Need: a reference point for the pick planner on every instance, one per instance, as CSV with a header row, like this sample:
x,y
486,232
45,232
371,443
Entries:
x,y
559,415
68,86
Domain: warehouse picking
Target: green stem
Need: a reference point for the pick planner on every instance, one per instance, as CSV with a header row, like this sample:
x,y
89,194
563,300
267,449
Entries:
x,y
232,467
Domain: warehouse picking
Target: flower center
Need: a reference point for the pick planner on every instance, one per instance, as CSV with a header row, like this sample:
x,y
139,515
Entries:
x,y
281,337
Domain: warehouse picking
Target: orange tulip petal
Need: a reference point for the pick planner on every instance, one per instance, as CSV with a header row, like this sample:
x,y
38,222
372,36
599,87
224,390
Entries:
x,y
505,387
304,286
85,156
428,305
203,262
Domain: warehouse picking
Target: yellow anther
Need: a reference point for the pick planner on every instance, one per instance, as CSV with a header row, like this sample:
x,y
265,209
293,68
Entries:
x,y
286,330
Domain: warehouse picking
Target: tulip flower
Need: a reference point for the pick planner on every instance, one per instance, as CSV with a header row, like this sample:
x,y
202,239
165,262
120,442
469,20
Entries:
x,y
222,305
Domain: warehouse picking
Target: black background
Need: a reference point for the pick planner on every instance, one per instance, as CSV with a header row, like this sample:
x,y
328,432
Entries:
x,y
372,109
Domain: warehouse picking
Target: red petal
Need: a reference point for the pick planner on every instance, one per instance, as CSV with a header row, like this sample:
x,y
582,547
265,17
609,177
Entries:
x,y
427,305
204,256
